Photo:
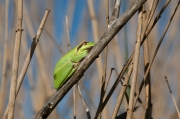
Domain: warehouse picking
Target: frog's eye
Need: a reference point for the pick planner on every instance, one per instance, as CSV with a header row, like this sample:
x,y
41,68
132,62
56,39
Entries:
x,y
83,43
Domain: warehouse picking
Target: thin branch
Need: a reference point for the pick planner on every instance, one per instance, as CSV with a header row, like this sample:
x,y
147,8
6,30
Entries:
x,y
107,82
152,11
31,51
96,50
122,92
135,66
105,66
54,42
148,104
74,87
83,101
17,45
172,97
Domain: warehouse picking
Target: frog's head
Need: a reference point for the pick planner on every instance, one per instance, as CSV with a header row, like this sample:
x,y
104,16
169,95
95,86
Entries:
x,y
85,46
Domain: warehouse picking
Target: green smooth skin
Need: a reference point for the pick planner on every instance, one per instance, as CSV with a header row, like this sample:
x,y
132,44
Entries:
x,y
69,63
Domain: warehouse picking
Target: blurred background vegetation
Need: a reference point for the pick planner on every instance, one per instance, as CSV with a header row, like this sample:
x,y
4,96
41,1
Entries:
x,y
37,86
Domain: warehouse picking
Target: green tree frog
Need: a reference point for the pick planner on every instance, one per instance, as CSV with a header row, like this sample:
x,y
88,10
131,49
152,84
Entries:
x,y
69,63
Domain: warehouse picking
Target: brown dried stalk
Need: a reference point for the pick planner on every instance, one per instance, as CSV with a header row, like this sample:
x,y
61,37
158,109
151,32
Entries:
x,y
135,66
172,97
12,97
122,92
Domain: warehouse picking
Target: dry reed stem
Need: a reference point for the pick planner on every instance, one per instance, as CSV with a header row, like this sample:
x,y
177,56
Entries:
x,y
40,58
54,42
12,96
29,73
96,50
4,70
95,34
122,92
135,65
115,15
172,97
74,88
29,56
83,101
104,68
148,110
151,11
155,52
31,51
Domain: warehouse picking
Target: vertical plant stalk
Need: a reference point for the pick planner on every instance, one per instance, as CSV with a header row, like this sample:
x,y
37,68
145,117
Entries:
x,y
104,69
122,92
74,87
135,66
4,71
28,58
95,34
155,52
12,97
83,101
115,15
148,104
172,97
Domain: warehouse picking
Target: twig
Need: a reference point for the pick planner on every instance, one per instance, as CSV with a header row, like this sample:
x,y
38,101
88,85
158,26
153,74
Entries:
x,y
151,11
107,82
135,66
172,97
40,58
93,54
155,52
31,51
17,45
83,101
122,92
54,42
4,71
147,85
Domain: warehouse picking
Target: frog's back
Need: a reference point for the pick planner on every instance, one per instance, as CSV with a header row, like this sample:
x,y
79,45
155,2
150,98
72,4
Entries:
x,y
64,59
